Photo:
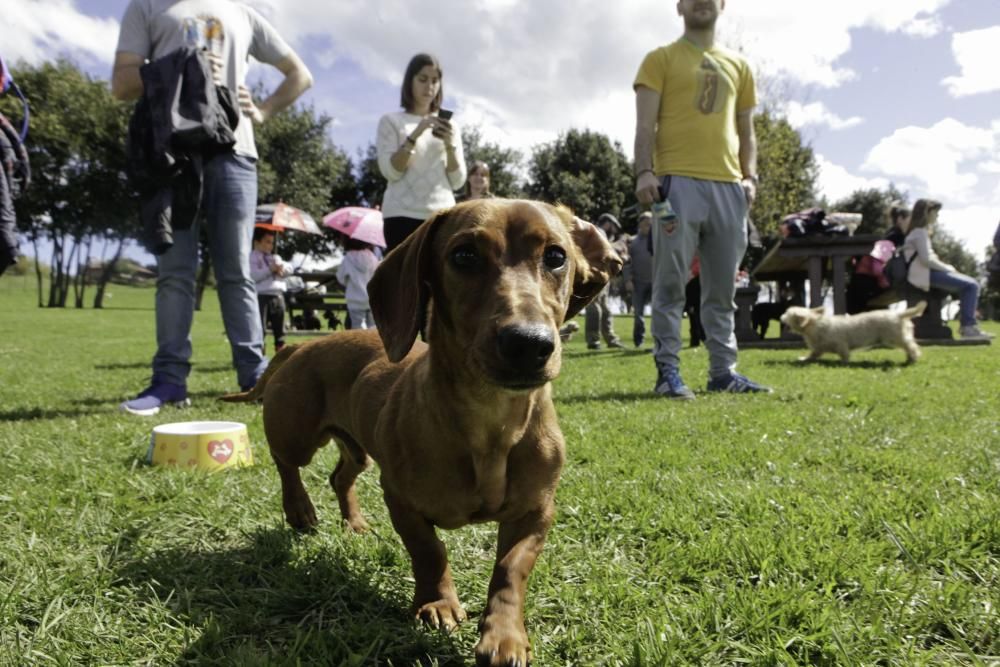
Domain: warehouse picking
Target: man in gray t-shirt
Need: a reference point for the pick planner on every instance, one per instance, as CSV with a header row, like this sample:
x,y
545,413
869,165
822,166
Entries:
x,y
230,32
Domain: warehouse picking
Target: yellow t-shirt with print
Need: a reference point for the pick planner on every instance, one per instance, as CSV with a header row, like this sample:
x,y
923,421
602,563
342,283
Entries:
x,y
701,92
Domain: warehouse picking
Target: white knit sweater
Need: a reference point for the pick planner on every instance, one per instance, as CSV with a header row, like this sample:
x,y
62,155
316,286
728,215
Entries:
x,y
425,186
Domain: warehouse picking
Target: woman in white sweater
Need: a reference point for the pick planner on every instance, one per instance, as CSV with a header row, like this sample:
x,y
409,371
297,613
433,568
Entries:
x,y
423,167
927,270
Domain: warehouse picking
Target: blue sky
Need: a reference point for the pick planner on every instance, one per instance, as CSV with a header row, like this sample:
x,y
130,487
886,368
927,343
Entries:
x,y
903,91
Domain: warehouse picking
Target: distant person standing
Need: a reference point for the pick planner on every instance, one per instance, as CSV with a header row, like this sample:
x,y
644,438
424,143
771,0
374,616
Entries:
x,y
268,273
478,184
599,321
419,152
230,32
640,252
354,272
695,150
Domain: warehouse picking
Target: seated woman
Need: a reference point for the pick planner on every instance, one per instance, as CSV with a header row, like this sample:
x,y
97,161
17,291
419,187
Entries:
x,y
867,281
927,270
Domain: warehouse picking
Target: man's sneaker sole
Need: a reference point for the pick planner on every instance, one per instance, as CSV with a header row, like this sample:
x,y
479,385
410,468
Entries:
x,y
149,412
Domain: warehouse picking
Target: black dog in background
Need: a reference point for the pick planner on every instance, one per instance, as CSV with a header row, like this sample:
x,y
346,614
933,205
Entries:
x,y
762,314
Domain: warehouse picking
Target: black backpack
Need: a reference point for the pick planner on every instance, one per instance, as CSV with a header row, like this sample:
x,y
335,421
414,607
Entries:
x,y
897,269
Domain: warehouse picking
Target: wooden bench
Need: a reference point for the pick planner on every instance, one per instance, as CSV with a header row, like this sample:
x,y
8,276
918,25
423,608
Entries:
x,y
330,303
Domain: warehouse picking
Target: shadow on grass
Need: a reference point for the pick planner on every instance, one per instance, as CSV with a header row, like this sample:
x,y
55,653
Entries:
x,y
138,365
29,414
603,397
122,366
885,364
626,352
258,601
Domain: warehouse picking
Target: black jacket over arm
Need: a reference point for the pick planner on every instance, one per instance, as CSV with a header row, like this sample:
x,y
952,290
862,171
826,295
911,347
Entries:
x,y
182,120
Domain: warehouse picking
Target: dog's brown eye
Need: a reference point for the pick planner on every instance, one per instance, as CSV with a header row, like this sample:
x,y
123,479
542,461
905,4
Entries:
x,y
555,257
465,257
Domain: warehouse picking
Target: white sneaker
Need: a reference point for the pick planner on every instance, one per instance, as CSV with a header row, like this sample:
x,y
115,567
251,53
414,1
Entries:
x,y
972,332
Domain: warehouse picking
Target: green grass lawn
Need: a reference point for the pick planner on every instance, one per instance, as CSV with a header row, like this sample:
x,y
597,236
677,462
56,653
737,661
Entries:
x,y
852,517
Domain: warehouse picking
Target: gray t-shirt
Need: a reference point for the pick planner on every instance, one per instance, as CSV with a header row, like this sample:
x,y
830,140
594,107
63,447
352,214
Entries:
x,y
155,28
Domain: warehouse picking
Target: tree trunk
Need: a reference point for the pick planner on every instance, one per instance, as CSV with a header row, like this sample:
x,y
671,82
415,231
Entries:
x,y
109,270
203,274
38,271
80,280
66,277
55,271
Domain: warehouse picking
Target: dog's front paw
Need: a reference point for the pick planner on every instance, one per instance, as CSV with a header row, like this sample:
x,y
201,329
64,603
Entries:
x,y
503,643
300,514
441,614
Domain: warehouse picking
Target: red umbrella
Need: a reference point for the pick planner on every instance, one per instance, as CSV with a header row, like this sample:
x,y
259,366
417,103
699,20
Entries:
x,y
279,217
363,224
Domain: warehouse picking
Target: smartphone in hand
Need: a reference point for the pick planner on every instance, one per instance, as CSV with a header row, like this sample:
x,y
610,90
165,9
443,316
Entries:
x,y
445,115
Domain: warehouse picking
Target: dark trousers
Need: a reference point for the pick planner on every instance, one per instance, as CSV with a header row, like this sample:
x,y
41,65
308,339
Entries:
x,y
272,314
397,229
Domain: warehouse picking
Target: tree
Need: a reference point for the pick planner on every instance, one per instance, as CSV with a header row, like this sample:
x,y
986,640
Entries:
x,y
787,170
505,163
951,250
584,170
371,182
300,166
79,190
873,205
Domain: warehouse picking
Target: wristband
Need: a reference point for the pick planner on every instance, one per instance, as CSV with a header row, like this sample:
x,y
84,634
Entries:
x,y
643,171
410,140
753,179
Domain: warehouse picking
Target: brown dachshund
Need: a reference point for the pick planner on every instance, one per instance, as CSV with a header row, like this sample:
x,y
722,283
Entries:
x,y
463,428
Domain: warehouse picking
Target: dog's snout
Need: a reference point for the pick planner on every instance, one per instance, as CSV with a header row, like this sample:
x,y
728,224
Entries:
x,y
526,347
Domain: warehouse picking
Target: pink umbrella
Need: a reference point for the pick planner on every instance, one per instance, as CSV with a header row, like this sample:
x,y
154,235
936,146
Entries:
x,y
363,224
279,217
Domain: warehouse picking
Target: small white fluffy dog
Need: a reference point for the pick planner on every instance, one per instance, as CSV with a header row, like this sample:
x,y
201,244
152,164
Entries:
x,y
840,334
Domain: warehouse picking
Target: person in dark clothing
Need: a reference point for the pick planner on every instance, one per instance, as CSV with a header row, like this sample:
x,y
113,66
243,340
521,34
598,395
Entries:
x,y
864,286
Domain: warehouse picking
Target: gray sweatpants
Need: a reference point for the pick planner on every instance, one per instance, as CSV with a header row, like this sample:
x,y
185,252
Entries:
x,y
711,220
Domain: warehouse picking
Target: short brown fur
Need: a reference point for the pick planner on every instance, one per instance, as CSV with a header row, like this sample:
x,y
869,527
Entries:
x,y
461,435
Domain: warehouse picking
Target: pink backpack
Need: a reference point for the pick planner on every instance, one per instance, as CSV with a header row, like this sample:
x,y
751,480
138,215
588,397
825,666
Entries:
x,y
873,264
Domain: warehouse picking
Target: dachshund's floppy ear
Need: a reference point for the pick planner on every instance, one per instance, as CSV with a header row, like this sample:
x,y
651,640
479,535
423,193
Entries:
x,y
399,290
595,261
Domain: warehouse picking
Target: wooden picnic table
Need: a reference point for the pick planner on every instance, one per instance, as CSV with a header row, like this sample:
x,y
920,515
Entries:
x,y
330,300
816,258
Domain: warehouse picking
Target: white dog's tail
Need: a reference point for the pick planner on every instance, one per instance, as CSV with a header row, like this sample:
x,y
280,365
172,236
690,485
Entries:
x,y
916,311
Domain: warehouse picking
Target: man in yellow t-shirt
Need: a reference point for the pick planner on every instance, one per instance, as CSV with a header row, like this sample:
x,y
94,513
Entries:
x,y
696,162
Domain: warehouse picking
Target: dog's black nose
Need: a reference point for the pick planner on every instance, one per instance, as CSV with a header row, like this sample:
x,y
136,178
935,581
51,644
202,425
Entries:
x,y
526,347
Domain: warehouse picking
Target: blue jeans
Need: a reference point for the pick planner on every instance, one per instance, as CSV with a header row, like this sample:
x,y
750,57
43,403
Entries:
x,y
228,204
965,287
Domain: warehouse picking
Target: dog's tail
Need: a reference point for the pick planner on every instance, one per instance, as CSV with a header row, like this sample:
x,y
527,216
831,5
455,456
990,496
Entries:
x,y
916,311
257,392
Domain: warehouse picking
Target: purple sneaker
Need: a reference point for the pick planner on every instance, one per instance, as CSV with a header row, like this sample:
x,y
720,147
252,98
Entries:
x,y
154,397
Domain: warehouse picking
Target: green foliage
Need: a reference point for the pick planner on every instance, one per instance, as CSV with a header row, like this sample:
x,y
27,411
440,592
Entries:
x,y
301,167
371,182
504,163
873,205
852,517
787,170
583,170
79,187
951,250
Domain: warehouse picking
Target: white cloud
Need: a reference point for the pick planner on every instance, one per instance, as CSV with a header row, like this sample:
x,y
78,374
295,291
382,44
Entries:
x,y
944,158
40,30
972,225
836,182
801,115
806,43
975,52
